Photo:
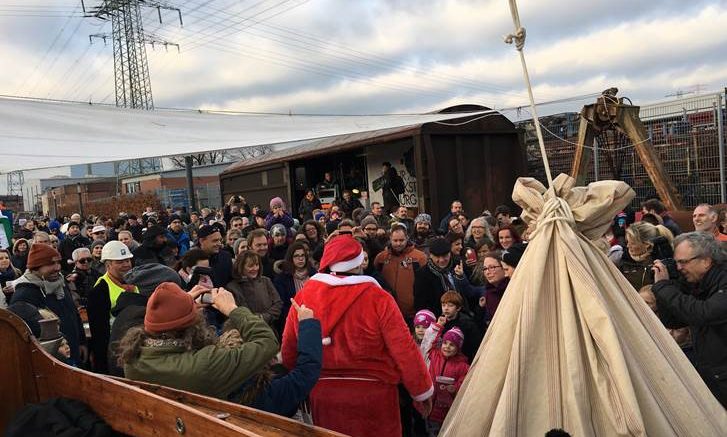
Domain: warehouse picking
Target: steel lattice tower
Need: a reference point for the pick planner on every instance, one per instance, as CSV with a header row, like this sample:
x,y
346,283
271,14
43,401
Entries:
x,y
131,69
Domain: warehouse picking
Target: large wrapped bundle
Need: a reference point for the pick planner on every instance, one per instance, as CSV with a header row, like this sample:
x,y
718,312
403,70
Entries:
x,y
572,345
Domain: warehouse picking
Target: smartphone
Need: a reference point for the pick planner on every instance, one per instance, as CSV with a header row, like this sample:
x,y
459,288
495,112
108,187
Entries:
x,y
207,298
471,255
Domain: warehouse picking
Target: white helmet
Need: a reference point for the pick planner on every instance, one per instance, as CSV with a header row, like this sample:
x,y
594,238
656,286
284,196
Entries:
x,y
115,251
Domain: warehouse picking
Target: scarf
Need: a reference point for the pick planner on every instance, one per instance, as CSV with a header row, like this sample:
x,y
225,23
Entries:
x,y
49,288
444,275
299,279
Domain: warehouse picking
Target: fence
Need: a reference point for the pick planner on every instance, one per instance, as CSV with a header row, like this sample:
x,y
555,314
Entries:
x,y
687,133
208,196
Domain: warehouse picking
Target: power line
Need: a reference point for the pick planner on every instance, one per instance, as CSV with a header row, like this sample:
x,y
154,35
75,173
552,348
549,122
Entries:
x,y
48,50
58,53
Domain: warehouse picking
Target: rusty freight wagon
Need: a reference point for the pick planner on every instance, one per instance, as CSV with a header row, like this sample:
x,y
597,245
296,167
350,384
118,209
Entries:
x,y
475,159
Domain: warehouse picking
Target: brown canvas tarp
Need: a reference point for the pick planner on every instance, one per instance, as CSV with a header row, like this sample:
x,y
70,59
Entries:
x,y
572,345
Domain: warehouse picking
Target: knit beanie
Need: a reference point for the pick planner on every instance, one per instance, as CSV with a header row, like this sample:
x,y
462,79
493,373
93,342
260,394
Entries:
x,y
41,255
278,229
369,220
455,335
97,243
319,215
423,218
147,277
169,309
277,201
424,318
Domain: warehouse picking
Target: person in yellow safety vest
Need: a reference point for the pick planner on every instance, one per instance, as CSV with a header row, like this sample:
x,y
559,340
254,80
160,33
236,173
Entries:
x,y
116,256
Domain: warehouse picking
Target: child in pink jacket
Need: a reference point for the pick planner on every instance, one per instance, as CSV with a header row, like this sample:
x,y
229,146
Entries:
x,y
447,367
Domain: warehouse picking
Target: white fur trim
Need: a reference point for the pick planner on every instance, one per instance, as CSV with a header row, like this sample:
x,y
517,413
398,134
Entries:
x,y
343,280
424,396
344,266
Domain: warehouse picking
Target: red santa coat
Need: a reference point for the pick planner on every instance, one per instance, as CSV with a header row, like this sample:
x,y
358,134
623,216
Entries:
x,y
367,351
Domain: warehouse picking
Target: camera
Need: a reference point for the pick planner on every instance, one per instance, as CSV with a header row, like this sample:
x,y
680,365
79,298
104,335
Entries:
x,y
662,251
197,273
237,199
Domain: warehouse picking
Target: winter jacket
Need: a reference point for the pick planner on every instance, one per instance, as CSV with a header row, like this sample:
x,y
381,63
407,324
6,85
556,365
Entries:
x,y
670,224
181,240
428,289
147,254
129,312
259,296
638,273
702,307
306,208
272,219
493,296
58,417
276,253
347,206
19,261
473,334
29,298
398,270
66,248
367,335
221,265
285,286
99,320
10,274
285,393
212,370
455,367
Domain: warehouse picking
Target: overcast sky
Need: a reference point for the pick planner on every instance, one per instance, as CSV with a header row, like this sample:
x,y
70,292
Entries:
x,y
373,56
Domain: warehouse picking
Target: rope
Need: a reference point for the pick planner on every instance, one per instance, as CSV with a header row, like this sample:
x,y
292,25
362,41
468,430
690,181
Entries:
x,y
519,39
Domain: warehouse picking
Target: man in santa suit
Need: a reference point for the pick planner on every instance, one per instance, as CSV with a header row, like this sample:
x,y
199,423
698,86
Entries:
x,y
367,348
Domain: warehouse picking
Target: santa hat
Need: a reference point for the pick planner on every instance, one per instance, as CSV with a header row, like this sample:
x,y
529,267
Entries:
x,y
424,318
455,335
341,254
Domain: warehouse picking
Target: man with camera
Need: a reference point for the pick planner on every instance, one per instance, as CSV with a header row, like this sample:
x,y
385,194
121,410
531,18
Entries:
x,y
236,206
698,300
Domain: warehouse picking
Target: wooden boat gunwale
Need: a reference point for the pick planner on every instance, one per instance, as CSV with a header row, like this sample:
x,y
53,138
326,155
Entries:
x,y
130,407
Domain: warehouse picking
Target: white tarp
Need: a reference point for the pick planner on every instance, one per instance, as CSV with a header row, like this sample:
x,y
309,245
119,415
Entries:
x,y
42,134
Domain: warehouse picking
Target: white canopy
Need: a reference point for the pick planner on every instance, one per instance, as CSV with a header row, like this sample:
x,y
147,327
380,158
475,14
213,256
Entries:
x,y
41,134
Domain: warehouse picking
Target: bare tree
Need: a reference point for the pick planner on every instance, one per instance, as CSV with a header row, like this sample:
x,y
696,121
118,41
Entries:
x,y
217,157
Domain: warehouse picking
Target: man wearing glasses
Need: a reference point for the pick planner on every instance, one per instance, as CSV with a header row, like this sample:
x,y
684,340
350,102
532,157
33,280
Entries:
x,y
700,302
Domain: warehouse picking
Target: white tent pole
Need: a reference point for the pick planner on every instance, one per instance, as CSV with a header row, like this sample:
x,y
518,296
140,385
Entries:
x,y
519,38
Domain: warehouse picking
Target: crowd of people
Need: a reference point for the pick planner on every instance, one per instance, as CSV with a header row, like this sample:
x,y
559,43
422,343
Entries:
x,y
366,319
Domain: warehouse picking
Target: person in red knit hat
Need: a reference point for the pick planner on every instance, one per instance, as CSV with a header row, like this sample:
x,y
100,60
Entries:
x,y
367,348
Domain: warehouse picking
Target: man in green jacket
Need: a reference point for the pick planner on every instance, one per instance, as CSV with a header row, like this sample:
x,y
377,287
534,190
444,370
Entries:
x,y
177,349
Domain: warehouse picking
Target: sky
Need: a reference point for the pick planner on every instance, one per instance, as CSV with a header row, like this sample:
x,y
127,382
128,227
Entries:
x,y
373,56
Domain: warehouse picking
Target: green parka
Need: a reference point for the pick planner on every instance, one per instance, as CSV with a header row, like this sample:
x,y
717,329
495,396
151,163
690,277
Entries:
x,y
213,370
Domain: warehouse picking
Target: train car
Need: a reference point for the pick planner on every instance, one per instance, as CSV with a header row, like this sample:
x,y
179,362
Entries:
x,y
475,159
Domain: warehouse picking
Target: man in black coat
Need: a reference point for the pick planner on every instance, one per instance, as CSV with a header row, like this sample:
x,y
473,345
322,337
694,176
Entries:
x,y
435,278
41,287
71,242
210,240
152,250
698,300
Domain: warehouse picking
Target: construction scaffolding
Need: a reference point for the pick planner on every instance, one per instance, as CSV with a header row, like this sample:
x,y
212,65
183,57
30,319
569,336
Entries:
x,y
687,133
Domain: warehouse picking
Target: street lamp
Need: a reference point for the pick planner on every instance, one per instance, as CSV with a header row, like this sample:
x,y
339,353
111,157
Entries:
x,y
55,204
80,200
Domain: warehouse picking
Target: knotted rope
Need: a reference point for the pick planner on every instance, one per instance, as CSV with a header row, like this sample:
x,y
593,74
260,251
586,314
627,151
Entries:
x,y
519,39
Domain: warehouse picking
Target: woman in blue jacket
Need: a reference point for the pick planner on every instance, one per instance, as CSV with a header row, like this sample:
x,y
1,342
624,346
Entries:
x,y
282,393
